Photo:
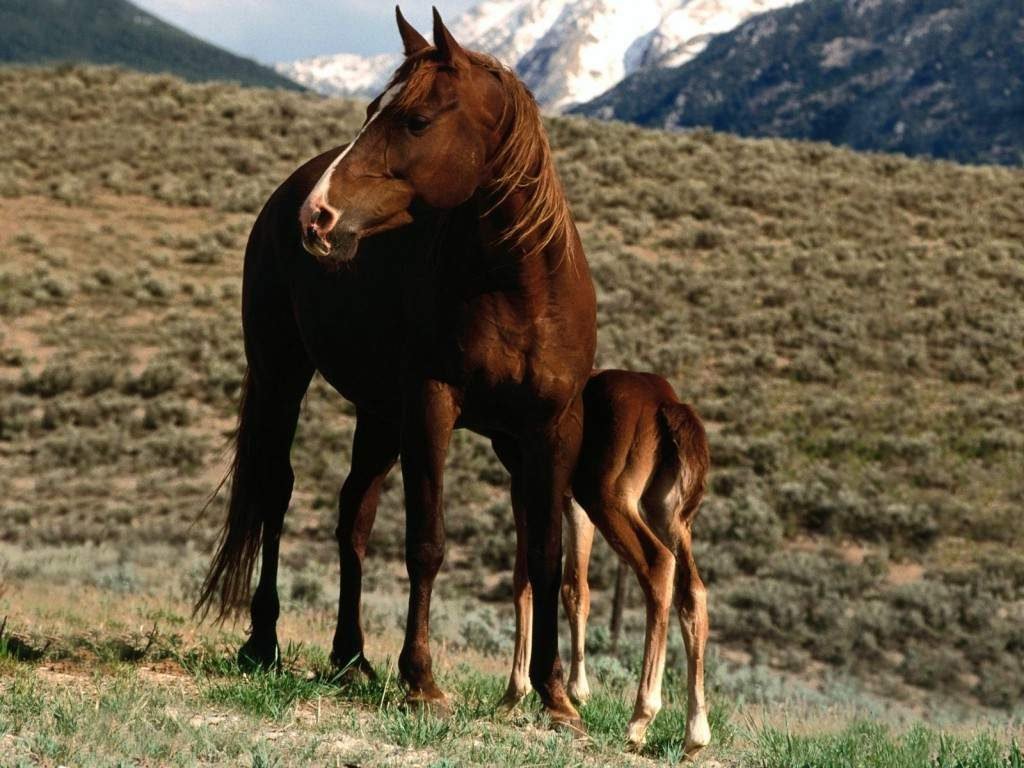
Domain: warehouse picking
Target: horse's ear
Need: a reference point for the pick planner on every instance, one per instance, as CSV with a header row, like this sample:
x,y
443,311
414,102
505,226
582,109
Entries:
x,y
412,40
451,52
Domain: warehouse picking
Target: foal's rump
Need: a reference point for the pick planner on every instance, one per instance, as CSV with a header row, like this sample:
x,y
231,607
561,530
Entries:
x,y
641,442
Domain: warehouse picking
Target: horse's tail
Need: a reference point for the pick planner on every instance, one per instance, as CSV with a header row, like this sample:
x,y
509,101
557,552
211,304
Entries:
x,y
683,427
227,584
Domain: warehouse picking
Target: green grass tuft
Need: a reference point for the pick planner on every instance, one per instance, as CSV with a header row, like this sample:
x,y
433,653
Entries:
x,y
265,694
873,744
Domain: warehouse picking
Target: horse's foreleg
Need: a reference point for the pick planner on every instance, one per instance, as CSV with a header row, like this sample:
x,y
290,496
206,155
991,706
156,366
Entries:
x,y
549,460
429,416
374,452
692,606
576,596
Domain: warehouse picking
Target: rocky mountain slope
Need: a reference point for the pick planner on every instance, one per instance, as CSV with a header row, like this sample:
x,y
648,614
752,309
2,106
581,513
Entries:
x,y
567,52
934,77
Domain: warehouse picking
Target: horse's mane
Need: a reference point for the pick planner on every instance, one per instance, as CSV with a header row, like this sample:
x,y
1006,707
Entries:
x,y
523,160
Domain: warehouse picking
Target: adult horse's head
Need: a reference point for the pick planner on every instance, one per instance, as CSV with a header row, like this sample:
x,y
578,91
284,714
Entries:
x,y
429,139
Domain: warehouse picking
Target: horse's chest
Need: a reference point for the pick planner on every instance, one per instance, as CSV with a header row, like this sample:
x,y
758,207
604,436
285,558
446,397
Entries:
x,y
503,359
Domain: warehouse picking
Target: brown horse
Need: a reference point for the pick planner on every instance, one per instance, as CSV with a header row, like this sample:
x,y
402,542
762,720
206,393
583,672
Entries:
x,y
431,271
641,477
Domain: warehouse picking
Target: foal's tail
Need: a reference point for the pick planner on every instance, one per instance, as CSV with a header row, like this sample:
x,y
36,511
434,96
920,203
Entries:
x,y
681,424
227,582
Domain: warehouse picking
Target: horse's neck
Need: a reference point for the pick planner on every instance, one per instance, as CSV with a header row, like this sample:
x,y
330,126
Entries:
x,y
476,233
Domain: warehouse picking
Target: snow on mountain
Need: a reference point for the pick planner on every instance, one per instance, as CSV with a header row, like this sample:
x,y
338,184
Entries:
x,y
566,51
343,74
507,29
686,29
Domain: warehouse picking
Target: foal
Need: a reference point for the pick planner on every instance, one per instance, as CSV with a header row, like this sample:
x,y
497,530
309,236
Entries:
x,y
641,476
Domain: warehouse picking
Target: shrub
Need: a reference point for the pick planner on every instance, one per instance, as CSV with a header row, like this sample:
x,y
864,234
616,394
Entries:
x,y
56,378
158,377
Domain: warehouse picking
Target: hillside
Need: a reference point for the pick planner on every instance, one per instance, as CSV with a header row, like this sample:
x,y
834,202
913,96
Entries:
x,y
924,77
849,325
566,52
118,32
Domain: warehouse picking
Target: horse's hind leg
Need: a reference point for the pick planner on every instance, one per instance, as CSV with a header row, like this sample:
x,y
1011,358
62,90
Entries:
x,y
576,596
374,452
278,374
691,604
270,415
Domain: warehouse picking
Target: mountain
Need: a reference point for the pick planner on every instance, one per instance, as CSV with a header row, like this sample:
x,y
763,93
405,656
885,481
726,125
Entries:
x,y
118,32
924,77
567,52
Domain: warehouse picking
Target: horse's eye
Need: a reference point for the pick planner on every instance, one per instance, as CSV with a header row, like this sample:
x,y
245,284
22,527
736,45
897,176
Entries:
x,y
418,123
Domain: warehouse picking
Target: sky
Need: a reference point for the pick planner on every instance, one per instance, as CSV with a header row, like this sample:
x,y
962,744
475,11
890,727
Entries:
x,y
283,30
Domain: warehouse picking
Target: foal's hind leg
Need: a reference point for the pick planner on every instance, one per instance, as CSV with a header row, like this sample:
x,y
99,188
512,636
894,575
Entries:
x,y
374,452
576,595
692,605
654,564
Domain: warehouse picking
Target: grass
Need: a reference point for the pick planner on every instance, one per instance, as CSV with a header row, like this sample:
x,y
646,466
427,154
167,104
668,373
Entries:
x,y
269,695
185,701
872,744
129,713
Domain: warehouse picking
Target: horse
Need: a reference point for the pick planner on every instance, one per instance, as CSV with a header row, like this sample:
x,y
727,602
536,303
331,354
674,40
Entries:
x,y
432,272
641,477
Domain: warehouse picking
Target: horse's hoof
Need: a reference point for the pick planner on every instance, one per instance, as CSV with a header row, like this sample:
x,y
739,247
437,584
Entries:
x,y
565,719
563,715
571,725
353,677
354,670
259,656
431,706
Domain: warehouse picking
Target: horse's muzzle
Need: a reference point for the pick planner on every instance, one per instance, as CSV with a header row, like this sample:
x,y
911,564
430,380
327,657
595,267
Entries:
x,y
314,244
338,247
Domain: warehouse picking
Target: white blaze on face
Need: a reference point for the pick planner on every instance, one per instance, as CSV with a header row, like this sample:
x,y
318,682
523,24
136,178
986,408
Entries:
x,y
318,197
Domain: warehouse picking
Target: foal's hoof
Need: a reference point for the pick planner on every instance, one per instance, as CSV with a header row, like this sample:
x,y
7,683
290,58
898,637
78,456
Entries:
x,y
510,701
692,750
579,691
698,735
255,656
431,706
636,737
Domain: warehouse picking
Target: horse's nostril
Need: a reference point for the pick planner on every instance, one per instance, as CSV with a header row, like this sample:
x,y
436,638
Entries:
x,y
315,218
